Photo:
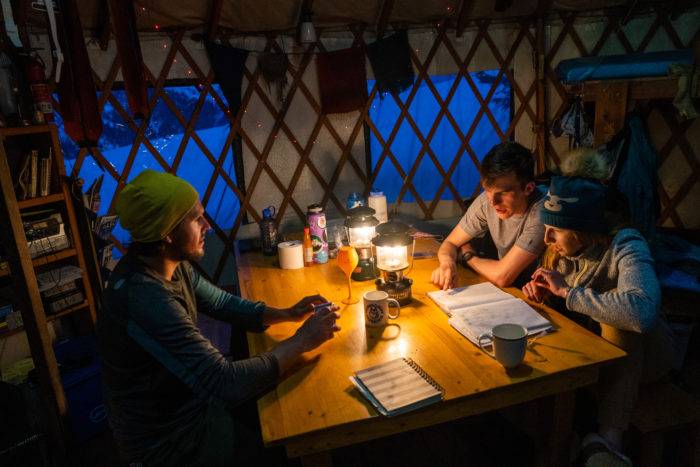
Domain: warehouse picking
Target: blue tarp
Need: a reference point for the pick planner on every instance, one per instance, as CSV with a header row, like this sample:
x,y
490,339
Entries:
x,y
639,65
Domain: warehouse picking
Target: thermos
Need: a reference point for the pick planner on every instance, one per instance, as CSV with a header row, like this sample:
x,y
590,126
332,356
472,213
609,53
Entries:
x,y
316,219
268,232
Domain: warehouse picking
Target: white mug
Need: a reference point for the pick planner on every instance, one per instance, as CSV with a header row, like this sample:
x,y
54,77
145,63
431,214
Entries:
x,y
509,344
377,304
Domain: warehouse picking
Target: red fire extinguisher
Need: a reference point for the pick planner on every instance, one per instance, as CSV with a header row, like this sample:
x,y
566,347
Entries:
x,y
34,70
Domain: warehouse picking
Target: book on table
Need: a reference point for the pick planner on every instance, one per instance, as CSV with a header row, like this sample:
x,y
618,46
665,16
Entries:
x,y
475,309
397,386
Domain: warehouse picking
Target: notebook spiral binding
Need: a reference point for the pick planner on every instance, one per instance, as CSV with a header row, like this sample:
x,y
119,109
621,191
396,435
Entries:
x,y
424,375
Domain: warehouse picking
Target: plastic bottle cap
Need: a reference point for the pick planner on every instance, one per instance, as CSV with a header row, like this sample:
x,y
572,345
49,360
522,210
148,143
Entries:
x,y
267,214
376,193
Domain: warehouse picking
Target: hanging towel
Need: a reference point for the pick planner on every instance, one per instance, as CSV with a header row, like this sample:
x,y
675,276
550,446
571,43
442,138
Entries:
x,y
79,111
129,48
342,81
227,63
391,61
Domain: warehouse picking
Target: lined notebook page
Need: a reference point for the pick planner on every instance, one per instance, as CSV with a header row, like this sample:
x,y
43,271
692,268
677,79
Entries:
x,y
397,385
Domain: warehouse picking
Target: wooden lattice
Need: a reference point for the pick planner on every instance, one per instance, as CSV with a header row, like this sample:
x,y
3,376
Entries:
x,y
675,135
523,114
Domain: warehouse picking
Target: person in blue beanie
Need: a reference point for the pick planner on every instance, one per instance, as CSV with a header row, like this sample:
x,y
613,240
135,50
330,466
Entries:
x,y
608,275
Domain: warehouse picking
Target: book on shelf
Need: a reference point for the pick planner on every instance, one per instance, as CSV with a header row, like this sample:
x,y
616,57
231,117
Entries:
x,y
475,309
45,174
397,386
33,173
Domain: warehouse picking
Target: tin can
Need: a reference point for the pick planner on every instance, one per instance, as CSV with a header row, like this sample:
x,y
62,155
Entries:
x,y
316,219
354,199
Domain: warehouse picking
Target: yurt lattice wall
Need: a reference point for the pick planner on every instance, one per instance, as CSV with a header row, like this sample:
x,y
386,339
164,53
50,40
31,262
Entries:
x,y
293,155
574,35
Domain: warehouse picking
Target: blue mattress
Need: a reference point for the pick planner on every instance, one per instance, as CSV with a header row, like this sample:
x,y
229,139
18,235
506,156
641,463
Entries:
x,y
640,65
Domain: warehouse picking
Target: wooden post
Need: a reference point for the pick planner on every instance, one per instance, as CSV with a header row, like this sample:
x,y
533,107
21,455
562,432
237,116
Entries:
x,y
541,109
610,111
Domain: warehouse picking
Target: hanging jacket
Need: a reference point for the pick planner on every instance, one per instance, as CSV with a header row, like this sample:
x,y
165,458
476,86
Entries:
x,y
636,173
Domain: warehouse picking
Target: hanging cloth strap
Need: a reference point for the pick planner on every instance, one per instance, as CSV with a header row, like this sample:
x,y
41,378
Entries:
x,y
76,90
10,27
129,49
57,53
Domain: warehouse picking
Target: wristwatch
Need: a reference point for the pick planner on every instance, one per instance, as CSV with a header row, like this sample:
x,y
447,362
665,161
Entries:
x,y
466,257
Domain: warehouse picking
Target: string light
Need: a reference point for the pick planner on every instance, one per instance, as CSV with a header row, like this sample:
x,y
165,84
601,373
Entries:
x,y
156,27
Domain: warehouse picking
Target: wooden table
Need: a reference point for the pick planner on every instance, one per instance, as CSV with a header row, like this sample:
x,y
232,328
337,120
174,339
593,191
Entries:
x,y
317,409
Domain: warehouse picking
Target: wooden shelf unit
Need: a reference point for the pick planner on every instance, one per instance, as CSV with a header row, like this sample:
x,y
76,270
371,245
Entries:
x,y
22,266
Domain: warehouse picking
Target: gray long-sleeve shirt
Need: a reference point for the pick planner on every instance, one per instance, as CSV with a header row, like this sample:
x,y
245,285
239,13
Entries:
x,y
615,285
158,370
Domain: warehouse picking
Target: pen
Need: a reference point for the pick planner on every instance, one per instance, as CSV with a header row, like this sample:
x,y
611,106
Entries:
x,y
321,305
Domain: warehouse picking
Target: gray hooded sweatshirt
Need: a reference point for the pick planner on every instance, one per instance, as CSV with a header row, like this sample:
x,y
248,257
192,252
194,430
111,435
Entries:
x,y
616,286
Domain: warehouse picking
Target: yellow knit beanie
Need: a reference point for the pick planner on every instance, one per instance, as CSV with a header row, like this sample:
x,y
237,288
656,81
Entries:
x,y
153,203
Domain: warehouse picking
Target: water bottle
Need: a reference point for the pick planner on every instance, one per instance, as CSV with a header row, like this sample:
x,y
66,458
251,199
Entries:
x,y
268,232
354,199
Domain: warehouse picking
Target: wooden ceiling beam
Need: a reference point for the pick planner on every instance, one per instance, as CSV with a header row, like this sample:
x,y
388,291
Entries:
x,y
103,31
214,18
464,12
384,15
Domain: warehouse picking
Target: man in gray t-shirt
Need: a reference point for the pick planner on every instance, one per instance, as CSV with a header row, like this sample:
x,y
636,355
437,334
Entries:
x,y
509,210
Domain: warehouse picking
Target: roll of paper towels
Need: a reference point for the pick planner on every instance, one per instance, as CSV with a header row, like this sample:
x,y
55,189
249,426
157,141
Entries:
x,y
291,255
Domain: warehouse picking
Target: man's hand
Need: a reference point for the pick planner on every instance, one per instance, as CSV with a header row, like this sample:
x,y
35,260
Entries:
x,y
298,311
317,329
444,275
553,281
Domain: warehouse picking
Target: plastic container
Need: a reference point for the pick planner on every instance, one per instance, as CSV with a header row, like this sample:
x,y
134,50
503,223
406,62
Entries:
x,y
377,201
80,370
307,248
354,199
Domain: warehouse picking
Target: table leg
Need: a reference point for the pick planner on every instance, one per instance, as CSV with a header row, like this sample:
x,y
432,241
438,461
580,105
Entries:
x,y
318,459
557,418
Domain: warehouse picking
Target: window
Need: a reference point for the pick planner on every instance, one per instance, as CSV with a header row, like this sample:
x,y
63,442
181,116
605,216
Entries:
x,y
445,143
165,134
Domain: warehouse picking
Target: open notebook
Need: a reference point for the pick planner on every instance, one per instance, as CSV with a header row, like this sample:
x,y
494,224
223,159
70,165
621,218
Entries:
x,y
475,309
397,386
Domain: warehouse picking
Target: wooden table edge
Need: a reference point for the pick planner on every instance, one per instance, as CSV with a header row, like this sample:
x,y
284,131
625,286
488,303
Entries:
x,y
360,431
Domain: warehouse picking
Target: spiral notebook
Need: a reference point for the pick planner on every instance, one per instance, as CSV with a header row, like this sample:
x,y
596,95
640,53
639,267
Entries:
x,y
397,386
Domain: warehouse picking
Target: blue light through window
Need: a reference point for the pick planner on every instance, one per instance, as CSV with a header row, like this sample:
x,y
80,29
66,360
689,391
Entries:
x,y
445,143
165,133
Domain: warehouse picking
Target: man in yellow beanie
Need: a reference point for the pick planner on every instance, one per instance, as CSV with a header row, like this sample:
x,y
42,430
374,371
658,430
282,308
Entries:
x,y
169,392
